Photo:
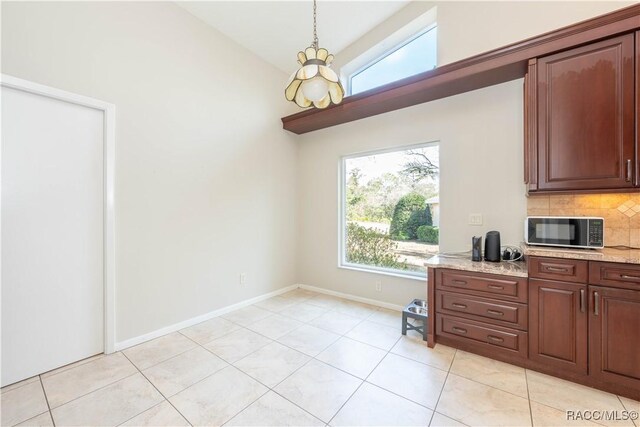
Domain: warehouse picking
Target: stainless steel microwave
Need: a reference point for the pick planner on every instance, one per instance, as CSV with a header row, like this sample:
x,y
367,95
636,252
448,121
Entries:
x,y
570,232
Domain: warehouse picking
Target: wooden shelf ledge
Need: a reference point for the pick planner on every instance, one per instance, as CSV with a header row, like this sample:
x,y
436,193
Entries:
x,y
487,69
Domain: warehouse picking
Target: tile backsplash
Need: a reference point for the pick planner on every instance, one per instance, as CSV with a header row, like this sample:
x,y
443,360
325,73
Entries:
x,y
621,213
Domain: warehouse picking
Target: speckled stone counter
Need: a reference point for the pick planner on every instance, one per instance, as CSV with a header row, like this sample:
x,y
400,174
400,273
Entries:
x,y
607,255
515,268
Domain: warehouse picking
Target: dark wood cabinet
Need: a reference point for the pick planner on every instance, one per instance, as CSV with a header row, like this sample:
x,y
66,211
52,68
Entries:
x,y
558,324
614,325
580,118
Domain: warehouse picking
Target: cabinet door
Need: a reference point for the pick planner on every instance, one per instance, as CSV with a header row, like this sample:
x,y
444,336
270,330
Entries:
x,y
614,335
558,324
586,117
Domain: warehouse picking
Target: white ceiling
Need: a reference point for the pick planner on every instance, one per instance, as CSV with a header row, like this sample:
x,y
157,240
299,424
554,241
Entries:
x,y
277,30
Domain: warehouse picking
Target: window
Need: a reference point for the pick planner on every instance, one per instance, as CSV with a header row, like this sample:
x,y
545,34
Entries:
x,y
390,210
415,56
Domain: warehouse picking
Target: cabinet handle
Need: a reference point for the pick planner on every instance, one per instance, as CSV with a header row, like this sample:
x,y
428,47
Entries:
x,y
495,312
457,305
582,300
494,338
460,282
558,269
628,276
628,170
596,303
459,330
492,286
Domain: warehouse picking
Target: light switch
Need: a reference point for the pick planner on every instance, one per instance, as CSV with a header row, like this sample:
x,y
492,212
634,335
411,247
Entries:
x,y
475,219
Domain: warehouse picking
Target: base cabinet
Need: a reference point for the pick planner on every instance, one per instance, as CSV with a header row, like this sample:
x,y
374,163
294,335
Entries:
x,y
614,326
558,324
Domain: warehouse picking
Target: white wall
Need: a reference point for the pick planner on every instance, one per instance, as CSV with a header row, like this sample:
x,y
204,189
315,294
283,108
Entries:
x,y
205,177
480,136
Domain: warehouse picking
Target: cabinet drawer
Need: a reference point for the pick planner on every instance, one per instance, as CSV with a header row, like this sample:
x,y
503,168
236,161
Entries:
x,y
489,285
615,274
565,270
483,309
483,334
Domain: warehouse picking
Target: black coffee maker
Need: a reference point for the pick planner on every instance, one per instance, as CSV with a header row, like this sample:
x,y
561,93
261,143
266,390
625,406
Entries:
x,y
492,246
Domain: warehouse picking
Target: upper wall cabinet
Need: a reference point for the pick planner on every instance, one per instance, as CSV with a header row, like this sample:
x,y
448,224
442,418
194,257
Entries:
x,y
580,119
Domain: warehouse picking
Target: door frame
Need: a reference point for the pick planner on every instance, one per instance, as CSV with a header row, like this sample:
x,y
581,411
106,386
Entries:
x,y
109,136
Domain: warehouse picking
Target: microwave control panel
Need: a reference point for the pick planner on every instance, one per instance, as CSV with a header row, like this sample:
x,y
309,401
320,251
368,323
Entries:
x,y
596,232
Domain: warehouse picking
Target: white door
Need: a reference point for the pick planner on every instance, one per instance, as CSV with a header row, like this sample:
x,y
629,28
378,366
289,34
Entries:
x,y
52,233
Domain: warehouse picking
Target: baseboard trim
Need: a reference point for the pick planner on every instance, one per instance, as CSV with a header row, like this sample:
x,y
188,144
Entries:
x,y
351,297
198,319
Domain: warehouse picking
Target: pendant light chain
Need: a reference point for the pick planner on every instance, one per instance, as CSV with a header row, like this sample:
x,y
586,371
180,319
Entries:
x,y
315,31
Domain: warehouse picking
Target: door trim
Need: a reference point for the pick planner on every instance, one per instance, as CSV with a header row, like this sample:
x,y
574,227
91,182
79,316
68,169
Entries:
x,y
109,136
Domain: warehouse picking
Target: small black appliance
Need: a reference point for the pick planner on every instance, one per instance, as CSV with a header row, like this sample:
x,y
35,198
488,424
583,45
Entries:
x,y
476,248
492,246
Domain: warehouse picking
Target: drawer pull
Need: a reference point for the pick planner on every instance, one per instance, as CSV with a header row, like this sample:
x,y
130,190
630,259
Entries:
x,y
458,305
582,300
459,282
494,338
628,276
596,304
493,286
459,330
495,312
558,269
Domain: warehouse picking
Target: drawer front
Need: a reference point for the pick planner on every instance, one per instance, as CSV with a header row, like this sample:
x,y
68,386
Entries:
x,y
500,313
565,270
488,285
616,275
482,334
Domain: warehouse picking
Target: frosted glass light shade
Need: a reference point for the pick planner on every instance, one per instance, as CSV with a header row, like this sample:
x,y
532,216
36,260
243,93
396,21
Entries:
x,y
314,83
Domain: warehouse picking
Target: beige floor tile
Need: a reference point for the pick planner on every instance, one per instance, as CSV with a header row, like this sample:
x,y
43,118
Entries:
x,y
272,363
373,406
300,294
385,316
158,350
75,382
490,372
351,356
336,322
303,312
208,331
325,301
275,326
19,384
355,308
414,348
109,406
565,395
22,403
421,383
309,340
73,365
247,315
319,389
476,404
440,420
184,370
162,414
275,304
375,334
42,420
237,344
631,405
544,416
273,410
218,398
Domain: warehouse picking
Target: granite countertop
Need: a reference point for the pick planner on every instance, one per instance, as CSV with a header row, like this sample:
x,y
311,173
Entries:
x,y
607,254
463,262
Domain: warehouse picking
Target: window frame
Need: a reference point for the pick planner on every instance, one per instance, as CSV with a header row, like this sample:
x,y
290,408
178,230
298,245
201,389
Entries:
x,y
342,214
387,52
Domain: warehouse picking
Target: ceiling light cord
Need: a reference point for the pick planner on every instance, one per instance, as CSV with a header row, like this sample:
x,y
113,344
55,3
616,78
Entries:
x,y
315,31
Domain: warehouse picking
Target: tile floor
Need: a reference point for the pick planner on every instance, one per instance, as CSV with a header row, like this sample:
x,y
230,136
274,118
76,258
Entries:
x,y
302,359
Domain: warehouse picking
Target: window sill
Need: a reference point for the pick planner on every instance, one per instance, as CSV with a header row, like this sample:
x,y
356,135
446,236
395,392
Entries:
x,y
356,267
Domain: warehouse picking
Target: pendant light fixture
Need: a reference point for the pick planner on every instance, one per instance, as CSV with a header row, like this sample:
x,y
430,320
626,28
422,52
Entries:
x,y
314,82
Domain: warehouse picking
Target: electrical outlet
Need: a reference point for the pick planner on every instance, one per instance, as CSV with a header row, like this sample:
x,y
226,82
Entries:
x,y
378,285
475,219
243,278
